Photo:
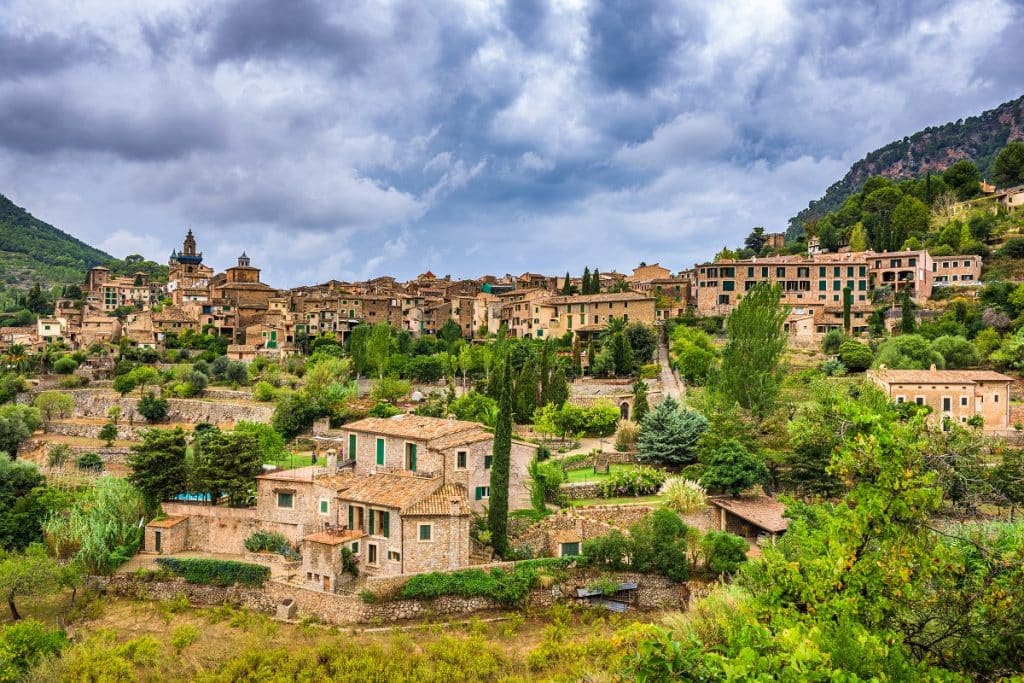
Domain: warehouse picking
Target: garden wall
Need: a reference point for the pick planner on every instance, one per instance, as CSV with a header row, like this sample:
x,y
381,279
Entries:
x,y
654,592
94,403
587,461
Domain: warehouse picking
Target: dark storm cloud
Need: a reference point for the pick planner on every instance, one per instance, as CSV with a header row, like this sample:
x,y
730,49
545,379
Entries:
x,y
42,122
526,19
44,53
632,43
297,29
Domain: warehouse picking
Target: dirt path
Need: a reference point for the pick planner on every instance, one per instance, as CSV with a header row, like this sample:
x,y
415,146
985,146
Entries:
x,y
670,383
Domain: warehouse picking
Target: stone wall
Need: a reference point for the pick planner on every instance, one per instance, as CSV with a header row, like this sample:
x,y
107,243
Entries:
x,y
114,455
91,430
611,457
580,490
94,403
654,592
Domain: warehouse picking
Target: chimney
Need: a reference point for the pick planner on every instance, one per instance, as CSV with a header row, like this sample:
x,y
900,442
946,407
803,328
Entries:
x,y
332,462
932,368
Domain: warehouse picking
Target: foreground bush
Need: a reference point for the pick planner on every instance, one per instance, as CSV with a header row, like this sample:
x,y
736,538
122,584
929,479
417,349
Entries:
x,y
216,572
655,545
23,644
723,552
508,588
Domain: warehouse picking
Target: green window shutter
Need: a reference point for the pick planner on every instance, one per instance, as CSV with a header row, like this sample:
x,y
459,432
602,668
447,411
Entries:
x,y
412,457
351,517
373,519
351,446
380,451
479,493
385,524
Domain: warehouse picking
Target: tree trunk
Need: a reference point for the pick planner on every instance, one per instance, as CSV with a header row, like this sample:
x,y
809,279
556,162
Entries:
x,y
14,608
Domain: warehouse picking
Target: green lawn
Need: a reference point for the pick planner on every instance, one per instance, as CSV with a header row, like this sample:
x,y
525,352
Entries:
x,y
589,475
295,460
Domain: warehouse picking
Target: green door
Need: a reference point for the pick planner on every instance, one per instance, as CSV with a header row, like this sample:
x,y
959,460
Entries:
x,y
380,452
410,450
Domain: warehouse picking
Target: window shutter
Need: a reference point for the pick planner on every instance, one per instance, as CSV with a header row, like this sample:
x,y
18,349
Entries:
x,y
351,446
412,457
385,524
380,451
479,493
351,516
373,517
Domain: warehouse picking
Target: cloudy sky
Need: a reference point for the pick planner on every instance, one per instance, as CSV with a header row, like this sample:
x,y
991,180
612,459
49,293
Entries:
x,y
360,138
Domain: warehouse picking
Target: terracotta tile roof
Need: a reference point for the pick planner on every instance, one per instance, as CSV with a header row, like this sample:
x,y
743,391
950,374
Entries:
x,y
389,490
761,511
167,522
444,501
461,439
938,376
411,426
173,314
331,538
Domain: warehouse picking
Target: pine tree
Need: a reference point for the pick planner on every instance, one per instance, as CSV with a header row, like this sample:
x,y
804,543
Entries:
x,y
497,511
158,465
591,355
640,405
669,436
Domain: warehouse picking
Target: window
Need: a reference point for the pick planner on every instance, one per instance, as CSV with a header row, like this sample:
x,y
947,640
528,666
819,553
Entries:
x,y
947,404
728,285
487,461
380,451
394,556
410,457
426,532
355,546
570,549
963,400
371,553
995,398
483,492
919,400
460,460
723,299
325,506
900,399
285,500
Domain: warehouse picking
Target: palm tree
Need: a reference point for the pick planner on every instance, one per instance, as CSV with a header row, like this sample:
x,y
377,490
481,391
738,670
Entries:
x,y
16,358
615,326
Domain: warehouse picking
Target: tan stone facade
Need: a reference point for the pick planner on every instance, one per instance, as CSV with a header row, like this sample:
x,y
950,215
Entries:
x,y
955,394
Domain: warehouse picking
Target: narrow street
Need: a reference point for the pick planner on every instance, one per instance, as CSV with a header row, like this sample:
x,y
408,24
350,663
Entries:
x,y
669,379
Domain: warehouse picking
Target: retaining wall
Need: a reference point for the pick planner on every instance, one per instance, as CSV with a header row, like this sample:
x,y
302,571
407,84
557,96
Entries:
x,y
95,402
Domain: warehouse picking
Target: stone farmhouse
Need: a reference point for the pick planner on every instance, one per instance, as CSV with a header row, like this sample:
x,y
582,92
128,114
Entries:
x,y
397,492
958,395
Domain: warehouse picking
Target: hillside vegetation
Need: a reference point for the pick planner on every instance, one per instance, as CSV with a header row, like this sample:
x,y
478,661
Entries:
x,y
934,149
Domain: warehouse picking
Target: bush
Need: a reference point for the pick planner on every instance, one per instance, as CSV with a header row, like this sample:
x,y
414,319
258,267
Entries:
x,y
382,409
856,356
153,408
23,644
625,438
638,481
723,552
261,541
264,391
656,544
507,588
832,340
684,495
650,371
108,433
90,461
607,551
833,367
216,572
65,365
1014,248
183,636
59,455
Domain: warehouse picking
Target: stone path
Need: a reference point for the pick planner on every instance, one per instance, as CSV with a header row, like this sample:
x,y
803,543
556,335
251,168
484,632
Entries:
x,y
670,384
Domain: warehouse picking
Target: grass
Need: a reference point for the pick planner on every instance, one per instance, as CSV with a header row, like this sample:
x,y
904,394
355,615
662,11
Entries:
x,y
225,643
295,460
588,474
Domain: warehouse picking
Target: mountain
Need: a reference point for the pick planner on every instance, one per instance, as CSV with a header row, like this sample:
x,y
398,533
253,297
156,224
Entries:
x,y
33,251
977,138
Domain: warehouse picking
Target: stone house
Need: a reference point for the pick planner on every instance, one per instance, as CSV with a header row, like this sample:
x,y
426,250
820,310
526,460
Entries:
x,y
748,516
955,394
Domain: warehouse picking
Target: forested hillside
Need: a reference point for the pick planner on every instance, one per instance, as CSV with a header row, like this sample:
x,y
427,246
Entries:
x,y
33,251
934,149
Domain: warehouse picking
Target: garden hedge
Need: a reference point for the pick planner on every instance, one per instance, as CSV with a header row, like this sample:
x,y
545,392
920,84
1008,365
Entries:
x,y
216,572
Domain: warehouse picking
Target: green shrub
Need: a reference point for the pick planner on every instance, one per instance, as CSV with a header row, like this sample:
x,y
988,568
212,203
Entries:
x,y
261,541
650,371
216,572
183,636
638,481
23,644
264,391
59,455
607,551
723,552
153,408
507,588
382,409
65,365
90,461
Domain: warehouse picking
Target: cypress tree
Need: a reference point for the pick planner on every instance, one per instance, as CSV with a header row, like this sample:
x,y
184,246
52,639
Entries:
x,y
497,511
526,393
595,282
577,357
558,388
585,284
640,405
908,323
567,286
